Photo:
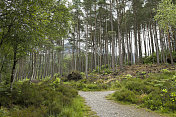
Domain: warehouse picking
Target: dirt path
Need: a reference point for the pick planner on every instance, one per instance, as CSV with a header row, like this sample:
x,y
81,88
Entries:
x,y
108,108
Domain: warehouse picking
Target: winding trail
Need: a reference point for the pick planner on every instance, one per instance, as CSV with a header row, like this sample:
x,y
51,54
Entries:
x,y
107,108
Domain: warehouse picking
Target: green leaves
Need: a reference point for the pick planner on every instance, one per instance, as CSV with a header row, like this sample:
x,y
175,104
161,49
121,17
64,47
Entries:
x,y
26,26
166,14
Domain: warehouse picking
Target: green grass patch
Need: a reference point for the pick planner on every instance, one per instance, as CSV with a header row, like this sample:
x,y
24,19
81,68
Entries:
x,y
77,109
96,85
156,92
45,99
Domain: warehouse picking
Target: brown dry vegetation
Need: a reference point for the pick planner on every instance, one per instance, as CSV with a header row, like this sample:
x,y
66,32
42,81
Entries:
x,y
135,70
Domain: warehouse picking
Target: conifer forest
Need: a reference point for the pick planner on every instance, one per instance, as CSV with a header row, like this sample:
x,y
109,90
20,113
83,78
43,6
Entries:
x,y
51,51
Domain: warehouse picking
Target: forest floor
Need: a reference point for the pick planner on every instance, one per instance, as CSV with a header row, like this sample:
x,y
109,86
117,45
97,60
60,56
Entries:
x,y
136,70
139,71
107,108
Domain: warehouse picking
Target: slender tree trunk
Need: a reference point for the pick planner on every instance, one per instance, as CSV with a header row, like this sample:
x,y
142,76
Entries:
x,y
52,64
95,41
123,48
86,66
106,44
156,45
170,48
152,42
13,67
139,43
162,46
128,47
144,38
119,37
33,67
113,41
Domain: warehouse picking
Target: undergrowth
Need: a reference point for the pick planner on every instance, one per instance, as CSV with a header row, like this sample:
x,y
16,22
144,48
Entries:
x,y
156,92
46,99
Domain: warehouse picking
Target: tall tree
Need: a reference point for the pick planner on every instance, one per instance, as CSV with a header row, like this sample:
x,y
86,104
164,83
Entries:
x,y
166,17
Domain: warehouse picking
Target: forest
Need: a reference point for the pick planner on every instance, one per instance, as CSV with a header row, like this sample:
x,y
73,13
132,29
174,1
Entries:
x,y
52,49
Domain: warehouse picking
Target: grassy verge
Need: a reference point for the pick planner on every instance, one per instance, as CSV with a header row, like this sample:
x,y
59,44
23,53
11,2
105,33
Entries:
x,y
77,109
111,97
46,99
156,92
95,85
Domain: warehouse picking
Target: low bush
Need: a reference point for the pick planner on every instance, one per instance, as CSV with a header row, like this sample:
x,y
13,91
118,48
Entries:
x,y
138,86
157,92
125,95
75,75
31,111
104,70
153,101
115,84
33,100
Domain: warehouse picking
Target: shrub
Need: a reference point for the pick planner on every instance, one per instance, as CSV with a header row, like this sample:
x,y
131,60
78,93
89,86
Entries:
x,y
36,100
116,84
150,59
125,95
166,71
80,85
153,101
102,86
92,86
75,75
138,86
29,112
102,70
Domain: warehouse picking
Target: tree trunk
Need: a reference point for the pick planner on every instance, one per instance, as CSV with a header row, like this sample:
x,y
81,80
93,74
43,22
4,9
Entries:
x,y
139,43
119,37
170,49
86,66
156,45
13,67
113,41
162,46
152,42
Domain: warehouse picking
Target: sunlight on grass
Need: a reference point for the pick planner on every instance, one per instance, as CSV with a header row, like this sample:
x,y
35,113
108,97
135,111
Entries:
x,y
77,109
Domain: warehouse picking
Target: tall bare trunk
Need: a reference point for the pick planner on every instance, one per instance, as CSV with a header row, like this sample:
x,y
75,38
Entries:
x,y
119,37
86,66
170,48
113,41
13,67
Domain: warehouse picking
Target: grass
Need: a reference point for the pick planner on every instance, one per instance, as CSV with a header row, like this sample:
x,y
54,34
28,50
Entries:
x,y
156,92
111,97
50,99
77,109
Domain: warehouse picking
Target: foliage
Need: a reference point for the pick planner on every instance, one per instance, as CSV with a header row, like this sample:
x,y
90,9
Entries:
x,y
104,69
46,99
85,85
28,26
75,75
153,58
166,71
125,95
76,109
166,15
150,59
153,101
115,85
138,86
156,92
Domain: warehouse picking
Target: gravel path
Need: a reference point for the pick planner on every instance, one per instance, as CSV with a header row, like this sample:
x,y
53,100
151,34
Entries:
x,y
108,108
